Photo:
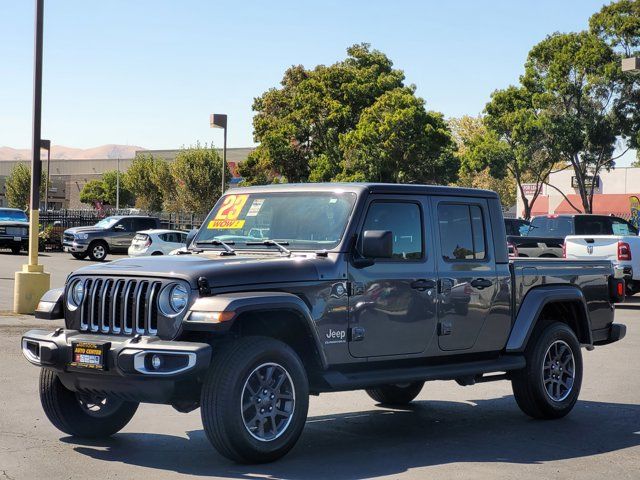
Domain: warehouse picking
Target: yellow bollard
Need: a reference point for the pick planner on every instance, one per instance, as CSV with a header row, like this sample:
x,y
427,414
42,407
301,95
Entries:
x,y
32,282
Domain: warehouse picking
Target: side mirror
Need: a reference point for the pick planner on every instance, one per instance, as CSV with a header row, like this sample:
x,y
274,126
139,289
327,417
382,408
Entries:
x,y
377,244
119,227
190,236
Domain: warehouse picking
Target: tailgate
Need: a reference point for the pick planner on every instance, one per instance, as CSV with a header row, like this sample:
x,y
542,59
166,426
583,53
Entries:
x,y
598,247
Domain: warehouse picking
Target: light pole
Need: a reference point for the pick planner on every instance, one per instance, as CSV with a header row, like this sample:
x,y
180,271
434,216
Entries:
x,y
219,120
118,186
46,145
32,282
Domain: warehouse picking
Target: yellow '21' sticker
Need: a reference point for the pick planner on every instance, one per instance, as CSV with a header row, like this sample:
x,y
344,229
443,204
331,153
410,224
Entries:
x,y
227,216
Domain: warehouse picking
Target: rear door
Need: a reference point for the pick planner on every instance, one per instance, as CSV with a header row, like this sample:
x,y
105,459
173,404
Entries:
x,y
467,277
123,234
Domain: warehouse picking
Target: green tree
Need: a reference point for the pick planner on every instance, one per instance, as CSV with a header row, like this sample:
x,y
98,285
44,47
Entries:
x,y
397,140
466,132
298,126
573,80
142,180
110,185
18,186
92,192
196,173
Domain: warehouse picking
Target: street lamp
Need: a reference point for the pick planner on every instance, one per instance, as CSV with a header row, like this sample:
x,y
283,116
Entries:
x,y
32,282
631,65
46,145
219,120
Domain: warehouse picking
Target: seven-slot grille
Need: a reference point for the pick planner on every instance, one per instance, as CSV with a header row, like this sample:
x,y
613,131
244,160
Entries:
x,y
120,306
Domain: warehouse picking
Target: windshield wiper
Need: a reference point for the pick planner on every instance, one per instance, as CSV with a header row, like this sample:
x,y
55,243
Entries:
x,y
272,243
219,243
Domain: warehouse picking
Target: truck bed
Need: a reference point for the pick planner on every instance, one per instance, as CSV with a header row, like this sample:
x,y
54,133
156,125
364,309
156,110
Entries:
x,y
591,276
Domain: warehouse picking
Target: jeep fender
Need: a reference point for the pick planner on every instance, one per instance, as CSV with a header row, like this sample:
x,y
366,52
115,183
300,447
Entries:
x,y
532,306
242,302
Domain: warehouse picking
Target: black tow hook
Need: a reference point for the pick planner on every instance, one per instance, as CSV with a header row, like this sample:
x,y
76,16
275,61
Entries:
x,y
136,338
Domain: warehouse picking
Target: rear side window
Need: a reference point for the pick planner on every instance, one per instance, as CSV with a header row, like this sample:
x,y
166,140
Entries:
x,y
558,227
404,220
622,227
145,223
461,232
588,225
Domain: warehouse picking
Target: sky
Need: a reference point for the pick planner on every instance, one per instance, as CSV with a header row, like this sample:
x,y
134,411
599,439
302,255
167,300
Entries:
x,y
149,72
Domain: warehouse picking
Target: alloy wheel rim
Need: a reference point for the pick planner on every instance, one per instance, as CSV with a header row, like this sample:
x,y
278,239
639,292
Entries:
x,y
98,251
267,402
96,406
558,371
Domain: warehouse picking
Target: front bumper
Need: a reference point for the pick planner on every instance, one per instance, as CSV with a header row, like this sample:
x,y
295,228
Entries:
x,y
11,240
128,371
74,247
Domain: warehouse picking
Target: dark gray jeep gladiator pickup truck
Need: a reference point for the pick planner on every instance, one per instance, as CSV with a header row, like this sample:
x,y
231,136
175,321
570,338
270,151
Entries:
x,y
349,286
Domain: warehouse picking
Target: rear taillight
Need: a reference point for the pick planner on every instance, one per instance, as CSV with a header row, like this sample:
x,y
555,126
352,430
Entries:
x,y
617,289
512,249
624,251
149,242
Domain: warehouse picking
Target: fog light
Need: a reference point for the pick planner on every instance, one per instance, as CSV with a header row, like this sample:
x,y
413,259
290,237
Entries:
x,y
156,361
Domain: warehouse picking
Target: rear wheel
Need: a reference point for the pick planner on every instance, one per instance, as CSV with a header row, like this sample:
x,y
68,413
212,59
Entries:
x,y
400,394
79,256
88,416
255,400
548,387
156,253
98,251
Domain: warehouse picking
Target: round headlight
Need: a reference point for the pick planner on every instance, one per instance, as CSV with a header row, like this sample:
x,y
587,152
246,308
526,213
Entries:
x,y
77,293
178,297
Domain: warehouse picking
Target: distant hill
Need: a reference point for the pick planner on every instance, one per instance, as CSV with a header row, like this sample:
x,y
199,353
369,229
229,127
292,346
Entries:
x,y
69,153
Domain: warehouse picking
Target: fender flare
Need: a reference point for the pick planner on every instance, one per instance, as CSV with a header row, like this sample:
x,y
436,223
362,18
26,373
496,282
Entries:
x,y
243,302
532,306
50,306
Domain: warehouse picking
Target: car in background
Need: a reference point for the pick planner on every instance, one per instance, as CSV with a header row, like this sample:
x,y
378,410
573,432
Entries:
x,y
109,235
546,234
14,229
157,242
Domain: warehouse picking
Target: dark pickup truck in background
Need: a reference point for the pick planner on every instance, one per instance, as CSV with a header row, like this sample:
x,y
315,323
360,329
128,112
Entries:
x,y
109,235
14,229
546,234
349,286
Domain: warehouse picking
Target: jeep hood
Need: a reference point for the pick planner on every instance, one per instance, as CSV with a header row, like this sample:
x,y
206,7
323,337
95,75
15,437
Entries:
x,y
220,271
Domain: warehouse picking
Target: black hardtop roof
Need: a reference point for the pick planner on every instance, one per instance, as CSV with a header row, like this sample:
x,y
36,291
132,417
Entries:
x,y
381,188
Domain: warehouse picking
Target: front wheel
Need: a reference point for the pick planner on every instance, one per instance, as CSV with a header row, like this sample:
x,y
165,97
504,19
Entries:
x,y
98,251
400,394
79,256
255,400
548,387
82,415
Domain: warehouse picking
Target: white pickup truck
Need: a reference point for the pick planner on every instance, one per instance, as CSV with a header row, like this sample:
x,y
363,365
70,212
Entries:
x,y
622,248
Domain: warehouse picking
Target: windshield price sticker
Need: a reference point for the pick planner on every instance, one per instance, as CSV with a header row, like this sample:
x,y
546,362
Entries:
x,y
227,216
255,207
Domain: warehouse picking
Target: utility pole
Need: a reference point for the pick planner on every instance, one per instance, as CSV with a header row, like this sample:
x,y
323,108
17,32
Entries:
x,y
32,282
118,185
219,120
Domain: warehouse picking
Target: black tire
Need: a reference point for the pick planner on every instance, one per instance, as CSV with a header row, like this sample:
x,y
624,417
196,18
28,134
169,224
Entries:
x,y
396,394
79,256
229,383
98,250
632,287
538,395
156,253
71,413
15,249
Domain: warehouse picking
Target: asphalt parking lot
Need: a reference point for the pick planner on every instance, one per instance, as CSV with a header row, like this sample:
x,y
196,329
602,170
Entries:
x,y
449,432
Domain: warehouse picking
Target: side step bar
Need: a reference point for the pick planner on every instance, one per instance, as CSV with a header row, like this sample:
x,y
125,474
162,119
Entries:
x,y
357,380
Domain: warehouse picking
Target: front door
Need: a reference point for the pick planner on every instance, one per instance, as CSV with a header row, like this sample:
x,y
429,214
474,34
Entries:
x,y
392,309
123,233
467,278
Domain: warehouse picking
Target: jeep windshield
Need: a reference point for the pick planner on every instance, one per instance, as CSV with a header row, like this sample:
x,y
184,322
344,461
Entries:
x,y
300,220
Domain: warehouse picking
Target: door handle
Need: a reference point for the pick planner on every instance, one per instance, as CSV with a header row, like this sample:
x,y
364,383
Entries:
x,y
423,284
481,283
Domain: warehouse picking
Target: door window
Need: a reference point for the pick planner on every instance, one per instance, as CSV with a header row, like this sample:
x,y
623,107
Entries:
x,y
404,221
461,232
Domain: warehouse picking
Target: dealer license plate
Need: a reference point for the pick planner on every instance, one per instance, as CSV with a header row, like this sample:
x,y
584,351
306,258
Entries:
x,y
89,355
